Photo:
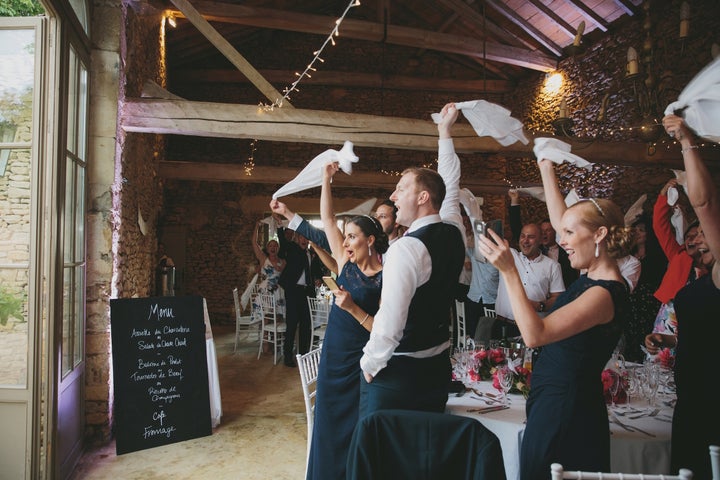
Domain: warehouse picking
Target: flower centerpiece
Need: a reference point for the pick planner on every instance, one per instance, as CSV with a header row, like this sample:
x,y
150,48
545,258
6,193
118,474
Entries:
x,y
608,378
666,357
486,364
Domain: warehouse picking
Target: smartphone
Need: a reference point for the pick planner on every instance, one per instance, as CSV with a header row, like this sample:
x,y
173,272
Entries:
x,y
330,282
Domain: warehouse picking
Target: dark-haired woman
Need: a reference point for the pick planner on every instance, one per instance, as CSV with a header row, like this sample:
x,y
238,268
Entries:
x,y
566,414
357,254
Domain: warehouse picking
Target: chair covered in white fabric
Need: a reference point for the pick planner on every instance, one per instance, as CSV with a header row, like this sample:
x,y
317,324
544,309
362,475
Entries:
x,y
243,323
557,473
308,366
319,313
460,323
271,331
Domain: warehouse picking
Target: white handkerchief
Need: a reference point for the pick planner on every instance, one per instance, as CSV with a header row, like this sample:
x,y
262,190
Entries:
x,y
557,151
472,207
672,196
312,175
535,192
363,209
635,210
490,120
677,220
701,101
571,198
273,225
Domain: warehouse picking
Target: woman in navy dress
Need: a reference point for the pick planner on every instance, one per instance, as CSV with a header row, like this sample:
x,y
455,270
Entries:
x,y
357,254
566,415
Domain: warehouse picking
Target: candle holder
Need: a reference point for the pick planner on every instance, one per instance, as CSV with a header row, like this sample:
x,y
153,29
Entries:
x,y
563,126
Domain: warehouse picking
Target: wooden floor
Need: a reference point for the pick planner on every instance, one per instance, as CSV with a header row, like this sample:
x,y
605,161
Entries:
x,y
262,433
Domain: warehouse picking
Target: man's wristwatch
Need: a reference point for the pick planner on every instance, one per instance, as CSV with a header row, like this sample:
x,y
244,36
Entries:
x,y
541,308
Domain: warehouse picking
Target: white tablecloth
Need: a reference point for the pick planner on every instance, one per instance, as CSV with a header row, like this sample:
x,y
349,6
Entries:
x,y
630,452
213,377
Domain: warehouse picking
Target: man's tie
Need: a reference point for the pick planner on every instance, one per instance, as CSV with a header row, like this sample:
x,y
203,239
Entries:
x,y
308,278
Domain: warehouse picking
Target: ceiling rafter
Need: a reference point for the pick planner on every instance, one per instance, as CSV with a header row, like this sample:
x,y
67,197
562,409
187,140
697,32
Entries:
x,y
529,29
564,26
364,30
627,7
589,14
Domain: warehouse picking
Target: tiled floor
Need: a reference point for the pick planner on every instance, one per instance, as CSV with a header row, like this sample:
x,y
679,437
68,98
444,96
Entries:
x,y
262,433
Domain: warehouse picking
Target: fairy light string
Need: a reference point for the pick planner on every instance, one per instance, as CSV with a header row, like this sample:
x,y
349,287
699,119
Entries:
x,y
307,73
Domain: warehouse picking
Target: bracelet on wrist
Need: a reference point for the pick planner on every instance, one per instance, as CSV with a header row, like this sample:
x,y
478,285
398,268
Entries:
x,y
688,148
364,319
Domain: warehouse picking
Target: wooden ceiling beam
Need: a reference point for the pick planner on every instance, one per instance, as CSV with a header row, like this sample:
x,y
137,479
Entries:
x,y
627,6
564,26
350,79
206,119
229,51
270,175
376,32
525,26
589,14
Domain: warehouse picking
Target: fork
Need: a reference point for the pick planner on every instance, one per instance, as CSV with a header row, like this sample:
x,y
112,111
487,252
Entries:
x,y
640,415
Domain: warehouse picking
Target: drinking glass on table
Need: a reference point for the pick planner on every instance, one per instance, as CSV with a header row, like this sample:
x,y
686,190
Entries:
x,y
651,381
505,378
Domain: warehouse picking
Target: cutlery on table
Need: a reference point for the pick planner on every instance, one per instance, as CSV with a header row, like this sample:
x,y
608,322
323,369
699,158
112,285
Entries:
x,y
629,428
494,408
644,414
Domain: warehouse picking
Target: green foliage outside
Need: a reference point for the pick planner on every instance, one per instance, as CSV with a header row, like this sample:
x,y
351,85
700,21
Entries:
x,y
11,306
20,8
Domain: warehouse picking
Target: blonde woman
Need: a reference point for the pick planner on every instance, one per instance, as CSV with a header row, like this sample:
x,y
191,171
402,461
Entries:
x,y
566,414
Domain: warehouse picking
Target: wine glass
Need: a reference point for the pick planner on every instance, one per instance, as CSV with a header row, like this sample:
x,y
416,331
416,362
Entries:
x,y
505,378
650,385
614,386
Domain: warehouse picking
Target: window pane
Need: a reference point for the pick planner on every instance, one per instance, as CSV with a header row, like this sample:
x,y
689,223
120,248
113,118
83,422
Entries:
x,y
69,220
17,57
13,327
67,322
72,102
82,111
79,208
78,341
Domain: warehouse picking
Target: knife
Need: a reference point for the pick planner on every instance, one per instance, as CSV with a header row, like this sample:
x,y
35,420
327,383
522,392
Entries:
x,y
629,428
488,409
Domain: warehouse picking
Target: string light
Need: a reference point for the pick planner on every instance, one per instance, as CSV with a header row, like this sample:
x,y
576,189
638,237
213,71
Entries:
x,y
293,87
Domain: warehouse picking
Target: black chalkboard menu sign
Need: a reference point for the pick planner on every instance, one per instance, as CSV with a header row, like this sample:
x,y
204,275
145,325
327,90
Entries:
x,y
159,371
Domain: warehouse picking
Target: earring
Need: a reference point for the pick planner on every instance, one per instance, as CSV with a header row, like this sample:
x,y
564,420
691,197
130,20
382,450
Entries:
x,y
597,249
369,250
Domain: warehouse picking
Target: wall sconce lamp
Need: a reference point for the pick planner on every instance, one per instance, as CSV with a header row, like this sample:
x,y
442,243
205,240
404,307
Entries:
x,y
684,20
171,20
563,124
576,48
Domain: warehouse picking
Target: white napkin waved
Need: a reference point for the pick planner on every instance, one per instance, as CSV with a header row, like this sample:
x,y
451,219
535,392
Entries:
x,y
635,210
472,207
363,209
677,220
571,198
312,175
535,192
490,120
701,101
558,152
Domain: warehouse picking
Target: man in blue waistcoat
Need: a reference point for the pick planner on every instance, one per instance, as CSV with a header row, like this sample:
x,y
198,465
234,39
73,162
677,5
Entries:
x,y
405,363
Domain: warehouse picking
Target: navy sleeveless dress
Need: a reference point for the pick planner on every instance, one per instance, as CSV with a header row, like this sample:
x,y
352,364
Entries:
x,y
567,418
337,397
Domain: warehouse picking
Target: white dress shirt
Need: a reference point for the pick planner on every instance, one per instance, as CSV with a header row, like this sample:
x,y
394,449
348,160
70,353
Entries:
x,y
540,277
407,266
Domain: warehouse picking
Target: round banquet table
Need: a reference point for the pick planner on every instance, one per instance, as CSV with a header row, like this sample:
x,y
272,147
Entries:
x,y
637,445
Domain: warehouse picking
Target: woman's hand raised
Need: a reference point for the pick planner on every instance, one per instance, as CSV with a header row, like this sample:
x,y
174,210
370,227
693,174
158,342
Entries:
x,y
497,251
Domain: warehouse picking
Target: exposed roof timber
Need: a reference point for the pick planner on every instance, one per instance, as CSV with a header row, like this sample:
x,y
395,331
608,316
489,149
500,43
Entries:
x,y
183,117
628,7
529,29
564,26
589,14
229,51
350,79
363,30
235,172
474,20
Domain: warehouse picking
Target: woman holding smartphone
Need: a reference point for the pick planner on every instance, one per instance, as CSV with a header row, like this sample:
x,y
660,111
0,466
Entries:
x,y
357,298
567,418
